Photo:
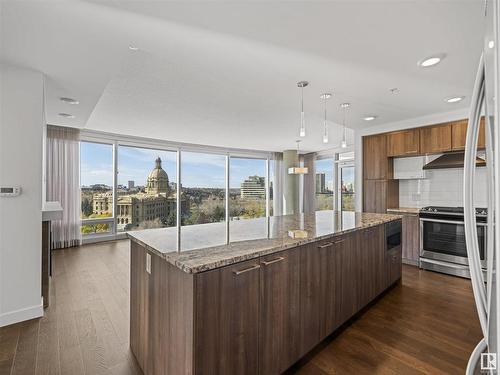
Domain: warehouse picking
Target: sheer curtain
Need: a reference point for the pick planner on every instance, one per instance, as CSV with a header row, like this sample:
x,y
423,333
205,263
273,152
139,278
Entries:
x,y
63,183
309,184
278,182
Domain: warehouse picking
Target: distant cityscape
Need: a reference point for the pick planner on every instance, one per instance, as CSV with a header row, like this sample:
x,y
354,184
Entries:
x,y
153,205
325,191
327,187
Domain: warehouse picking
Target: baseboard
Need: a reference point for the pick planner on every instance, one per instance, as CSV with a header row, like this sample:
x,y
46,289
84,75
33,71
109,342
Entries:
x,y
410,262
21,315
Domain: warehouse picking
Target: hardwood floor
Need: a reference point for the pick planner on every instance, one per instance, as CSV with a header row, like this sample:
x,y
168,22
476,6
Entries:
x,y
426,325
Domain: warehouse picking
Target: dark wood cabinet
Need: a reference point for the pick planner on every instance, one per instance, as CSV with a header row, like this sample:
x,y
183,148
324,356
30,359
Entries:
x,y
279,311
459,135
379,195
337,298
227,316
434,139
375,162
380,191
258,316
367,271
403,143
160,313
411,239
346,259
394,265
310,296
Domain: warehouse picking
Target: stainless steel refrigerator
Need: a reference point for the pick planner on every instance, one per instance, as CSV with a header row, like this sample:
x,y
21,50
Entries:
x,y
485,287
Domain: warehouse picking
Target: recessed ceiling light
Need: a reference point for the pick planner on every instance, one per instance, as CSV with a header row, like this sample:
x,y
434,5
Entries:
x,y
345,105
69,100
394,90
454,99
66,115
133,48
369,118
326,95
431,60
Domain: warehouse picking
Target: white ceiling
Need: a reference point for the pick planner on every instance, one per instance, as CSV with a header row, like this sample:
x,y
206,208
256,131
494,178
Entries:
x,y
225,73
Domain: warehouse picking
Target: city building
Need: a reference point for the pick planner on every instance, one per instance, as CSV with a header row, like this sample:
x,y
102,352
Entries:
x,y
131,185
253,187
320,182
157,202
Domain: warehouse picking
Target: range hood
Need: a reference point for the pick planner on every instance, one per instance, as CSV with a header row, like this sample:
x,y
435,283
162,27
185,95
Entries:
x,y
452,160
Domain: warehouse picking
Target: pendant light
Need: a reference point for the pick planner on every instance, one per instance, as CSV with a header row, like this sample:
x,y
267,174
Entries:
x,y
344,107
298,169
325,97
302,130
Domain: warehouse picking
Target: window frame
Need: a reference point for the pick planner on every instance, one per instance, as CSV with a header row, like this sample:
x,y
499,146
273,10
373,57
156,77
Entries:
x,y
336,166
130,141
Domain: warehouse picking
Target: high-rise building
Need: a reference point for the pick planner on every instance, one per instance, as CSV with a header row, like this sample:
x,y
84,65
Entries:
x,y
253,187
320,182
131,185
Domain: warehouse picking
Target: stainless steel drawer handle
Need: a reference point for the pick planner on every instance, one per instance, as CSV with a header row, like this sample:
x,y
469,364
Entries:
x,y
239,272
276,260
328,244
339,241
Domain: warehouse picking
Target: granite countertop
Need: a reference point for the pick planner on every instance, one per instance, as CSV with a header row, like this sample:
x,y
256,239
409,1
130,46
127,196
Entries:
x,y
405,210
204,247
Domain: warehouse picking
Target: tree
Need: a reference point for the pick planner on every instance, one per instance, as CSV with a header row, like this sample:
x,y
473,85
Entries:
x,y
87,209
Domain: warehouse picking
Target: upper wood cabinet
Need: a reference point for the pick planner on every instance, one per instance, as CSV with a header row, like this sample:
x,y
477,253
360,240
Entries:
x,y
403,143
376,165
435,139
459,135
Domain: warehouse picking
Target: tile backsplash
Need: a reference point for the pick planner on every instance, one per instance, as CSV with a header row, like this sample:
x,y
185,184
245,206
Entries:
x,y
442,187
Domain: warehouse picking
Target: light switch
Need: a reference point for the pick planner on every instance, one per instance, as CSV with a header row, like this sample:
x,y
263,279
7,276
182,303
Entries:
x,y
148,263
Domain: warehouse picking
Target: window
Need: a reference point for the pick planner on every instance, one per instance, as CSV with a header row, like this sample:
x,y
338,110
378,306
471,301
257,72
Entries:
x,y
203,181
147,180
132,187
247,188
346,187
96,181
324,184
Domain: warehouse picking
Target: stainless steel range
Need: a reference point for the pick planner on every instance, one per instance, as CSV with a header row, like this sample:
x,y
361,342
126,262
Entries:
x,y
442,239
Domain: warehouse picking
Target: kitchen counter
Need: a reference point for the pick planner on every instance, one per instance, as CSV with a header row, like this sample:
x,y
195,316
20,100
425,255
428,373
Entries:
x,y
259,303
403,210
204,247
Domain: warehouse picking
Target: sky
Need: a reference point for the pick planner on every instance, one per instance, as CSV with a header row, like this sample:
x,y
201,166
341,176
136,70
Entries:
x,y
134,164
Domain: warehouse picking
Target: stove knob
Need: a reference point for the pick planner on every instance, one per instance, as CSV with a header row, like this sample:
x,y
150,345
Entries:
x,y
483,212
435,210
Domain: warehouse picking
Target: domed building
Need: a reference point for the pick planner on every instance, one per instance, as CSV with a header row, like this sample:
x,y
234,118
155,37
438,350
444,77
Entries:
x,y
157,182
154,204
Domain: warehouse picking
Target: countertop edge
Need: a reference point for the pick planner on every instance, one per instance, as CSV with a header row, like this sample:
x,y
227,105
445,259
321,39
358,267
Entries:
x,y
258,253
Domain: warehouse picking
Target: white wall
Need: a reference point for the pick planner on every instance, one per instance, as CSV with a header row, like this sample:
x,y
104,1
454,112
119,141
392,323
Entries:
x,y
21,124
406,124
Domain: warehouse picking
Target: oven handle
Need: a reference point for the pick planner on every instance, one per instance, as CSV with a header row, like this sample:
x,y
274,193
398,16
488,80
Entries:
x,y
450,222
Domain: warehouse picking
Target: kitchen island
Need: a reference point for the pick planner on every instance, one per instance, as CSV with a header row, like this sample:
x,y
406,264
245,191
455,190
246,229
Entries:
x,y
254,296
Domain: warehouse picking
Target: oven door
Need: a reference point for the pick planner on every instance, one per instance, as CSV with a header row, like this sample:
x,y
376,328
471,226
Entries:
x,y
445,240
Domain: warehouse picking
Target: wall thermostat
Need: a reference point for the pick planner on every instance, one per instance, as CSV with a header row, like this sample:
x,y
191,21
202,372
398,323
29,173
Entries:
x,y
10,191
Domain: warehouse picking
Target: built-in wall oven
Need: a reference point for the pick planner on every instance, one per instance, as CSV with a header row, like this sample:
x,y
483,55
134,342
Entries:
x,y
442,239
